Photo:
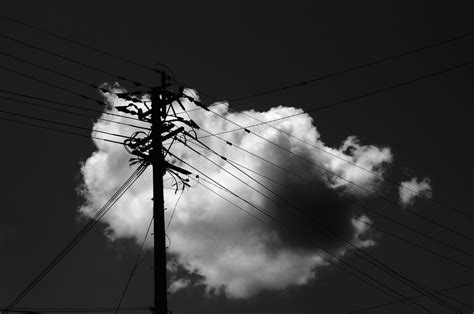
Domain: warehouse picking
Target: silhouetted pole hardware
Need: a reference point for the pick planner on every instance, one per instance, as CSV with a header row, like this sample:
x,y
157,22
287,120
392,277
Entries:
x,y
166,127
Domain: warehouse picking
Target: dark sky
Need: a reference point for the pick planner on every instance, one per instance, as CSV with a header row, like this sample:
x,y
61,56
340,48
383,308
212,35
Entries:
x,y
228,50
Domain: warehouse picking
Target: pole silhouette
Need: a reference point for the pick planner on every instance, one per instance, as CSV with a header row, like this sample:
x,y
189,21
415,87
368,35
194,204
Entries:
x,y
158,107
166,125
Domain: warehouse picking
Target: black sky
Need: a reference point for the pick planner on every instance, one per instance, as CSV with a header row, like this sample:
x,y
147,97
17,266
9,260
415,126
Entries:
x,y
228,50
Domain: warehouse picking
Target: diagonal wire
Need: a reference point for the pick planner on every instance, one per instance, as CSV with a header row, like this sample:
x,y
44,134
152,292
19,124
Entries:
x,y
72,78
72,60
75,309
361,220
392,182
376,195
353,68
52,85
78,43
456,38
365,256
73,112
60,123
60,131
134,268
82,233
174,210
377,91
69,105
359,205
274,220
422,247
415,297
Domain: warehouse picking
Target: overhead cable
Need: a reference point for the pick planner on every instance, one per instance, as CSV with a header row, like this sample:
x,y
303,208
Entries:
x,y
362,254
60,123
377,195
138,84
134,268
78,43
359,205
415,297
61,131
399,296
361,220
79,236
75,309
69,105
353,68
73,113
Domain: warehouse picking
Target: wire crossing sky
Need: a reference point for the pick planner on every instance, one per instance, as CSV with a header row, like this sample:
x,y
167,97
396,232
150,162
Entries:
x,y
369,164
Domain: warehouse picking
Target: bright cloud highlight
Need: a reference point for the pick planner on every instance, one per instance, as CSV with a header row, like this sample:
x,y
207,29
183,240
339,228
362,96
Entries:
x,y
411,189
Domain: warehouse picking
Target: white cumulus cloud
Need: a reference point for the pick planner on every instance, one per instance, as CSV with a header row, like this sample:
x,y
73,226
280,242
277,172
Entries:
x,y
230,252
409,190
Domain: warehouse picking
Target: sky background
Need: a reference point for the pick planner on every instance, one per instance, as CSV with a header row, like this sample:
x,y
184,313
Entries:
x,y
228,50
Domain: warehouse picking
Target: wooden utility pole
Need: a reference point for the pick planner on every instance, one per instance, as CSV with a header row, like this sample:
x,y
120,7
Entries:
x,y
158,107
166,125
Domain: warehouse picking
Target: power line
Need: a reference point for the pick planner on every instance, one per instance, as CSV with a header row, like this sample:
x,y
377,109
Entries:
x,y
174,210
461,212
392,182
49,70
380,230
60,123
379,196
416,285
414,230
336,73
69,105
264,212
250,214
353,68
73,113
312,242
53,85
395,236
354,271
359,205
415,297
347,70
72,78
103,52
469,216
346,100
286,87
134,268
75,309
365,256
78,43
61,131
376,195
73,61
82,233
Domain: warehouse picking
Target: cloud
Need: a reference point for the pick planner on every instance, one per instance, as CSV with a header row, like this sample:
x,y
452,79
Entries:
x,y
369,159
362,226
409,190
178,284
228,251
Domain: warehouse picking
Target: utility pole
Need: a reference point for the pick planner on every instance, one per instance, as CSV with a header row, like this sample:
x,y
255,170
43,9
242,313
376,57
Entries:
x,y
158,107
166,125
